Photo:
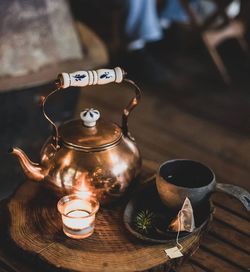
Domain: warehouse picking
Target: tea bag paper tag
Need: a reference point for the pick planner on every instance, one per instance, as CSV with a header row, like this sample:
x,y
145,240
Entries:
x,y
173,252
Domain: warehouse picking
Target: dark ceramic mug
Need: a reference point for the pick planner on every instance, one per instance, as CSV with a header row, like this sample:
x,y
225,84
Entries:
x,y
181,178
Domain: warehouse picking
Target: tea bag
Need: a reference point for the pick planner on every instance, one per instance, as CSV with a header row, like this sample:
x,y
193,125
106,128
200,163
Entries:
x,y
184,221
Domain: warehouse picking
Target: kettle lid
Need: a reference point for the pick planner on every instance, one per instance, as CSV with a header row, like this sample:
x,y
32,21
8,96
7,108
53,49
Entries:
x,y
89,133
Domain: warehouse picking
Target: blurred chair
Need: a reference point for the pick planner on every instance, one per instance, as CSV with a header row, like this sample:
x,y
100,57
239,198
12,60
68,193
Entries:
x,y
221,24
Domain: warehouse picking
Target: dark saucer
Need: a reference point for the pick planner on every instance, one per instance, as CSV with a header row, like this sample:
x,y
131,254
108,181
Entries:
x,y
147,198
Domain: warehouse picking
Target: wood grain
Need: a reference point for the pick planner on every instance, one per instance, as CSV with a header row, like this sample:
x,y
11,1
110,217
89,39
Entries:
x,y
213,263
35,227
175,134
170,128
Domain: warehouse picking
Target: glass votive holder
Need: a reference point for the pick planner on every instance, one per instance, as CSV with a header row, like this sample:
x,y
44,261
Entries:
x,y
78,215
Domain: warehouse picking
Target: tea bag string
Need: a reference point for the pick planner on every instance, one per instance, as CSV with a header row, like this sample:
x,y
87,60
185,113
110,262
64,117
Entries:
x,y
179,229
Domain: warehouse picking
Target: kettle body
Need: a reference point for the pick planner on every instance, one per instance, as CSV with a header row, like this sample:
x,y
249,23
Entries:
x,y
106,174
88,155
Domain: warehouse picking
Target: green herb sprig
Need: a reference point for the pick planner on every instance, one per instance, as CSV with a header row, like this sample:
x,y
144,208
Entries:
x,y
144,221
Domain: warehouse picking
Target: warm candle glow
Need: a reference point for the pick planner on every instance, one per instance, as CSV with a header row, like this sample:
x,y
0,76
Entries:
x,y
76,220
82,186
78,215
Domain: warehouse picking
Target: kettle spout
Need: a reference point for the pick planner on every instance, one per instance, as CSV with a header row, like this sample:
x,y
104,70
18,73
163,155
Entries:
x,y
32,170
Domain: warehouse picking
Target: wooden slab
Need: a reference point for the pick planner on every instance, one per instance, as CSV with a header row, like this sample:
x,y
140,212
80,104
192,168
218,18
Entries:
x,y
35,228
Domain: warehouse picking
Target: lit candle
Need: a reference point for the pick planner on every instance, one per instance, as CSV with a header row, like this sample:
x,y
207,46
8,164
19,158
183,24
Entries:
x,y
78,215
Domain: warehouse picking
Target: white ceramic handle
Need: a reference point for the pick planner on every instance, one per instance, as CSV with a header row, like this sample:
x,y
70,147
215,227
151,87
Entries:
x,y
94,77
89,117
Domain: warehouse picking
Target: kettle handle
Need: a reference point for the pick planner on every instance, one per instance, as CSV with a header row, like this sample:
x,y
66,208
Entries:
x,y
94,77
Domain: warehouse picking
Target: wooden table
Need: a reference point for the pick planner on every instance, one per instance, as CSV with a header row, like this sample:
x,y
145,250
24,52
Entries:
x,y
34,232
199,125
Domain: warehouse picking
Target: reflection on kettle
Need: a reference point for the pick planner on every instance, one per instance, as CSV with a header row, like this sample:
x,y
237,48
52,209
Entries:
x,y
89,154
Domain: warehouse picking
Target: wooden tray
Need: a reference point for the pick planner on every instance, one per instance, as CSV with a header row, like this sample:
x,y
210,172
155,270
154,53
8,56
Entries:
x,y
35,228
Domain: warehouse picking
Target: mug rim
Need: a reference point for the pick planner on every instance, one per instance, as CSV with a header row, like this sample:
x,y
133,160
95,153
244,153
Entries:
x,y
189,160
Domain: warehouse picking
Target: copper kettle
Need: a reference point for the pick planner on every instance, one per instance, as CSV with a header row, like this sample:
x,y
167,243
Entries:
x,y
89,154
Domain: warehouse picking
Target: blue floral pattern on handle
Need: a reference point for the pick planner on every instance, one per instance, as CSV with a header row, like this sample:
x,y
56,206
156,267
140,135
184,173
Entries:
x,y
79,77
105,75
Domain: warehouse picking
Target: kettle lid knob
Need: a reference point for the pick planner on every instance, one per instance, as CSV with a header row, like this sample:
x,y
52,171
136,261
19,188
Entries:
x,y
89,117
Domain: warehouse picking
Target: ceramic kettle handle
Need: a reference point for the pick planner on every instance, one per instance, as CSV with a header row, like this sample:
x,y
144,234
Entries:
x,y
94,77
84,78
241,194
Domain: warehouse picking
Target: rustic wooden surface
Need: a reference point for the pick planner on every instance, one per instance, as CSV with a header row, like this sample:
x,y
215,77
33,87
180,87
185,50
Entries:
x,y
165,128
35,227
168,126
198,118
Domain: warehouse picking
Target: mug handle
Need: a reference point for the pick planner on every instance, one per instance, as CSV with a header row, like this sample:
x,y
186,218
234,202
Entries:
x,y
241,194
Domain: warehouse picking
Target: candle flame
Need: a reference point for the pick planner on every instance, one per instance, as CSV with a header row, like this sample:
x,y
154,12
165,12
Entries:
x,y
82,186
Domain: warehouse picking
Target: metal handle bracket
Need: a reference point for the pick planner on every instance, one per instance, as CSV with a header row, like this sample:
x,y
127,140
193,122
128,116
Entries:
x,y
98,77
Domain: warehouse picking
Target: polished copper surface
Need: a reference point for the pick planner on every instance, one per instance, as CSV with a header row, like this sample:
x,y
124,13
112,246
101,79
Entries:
x,y
106,174
102,160
74,133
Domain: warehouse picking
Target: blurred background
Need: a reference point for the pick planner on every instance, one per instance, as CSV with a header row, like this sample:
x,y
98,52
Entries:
x,y
190,58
